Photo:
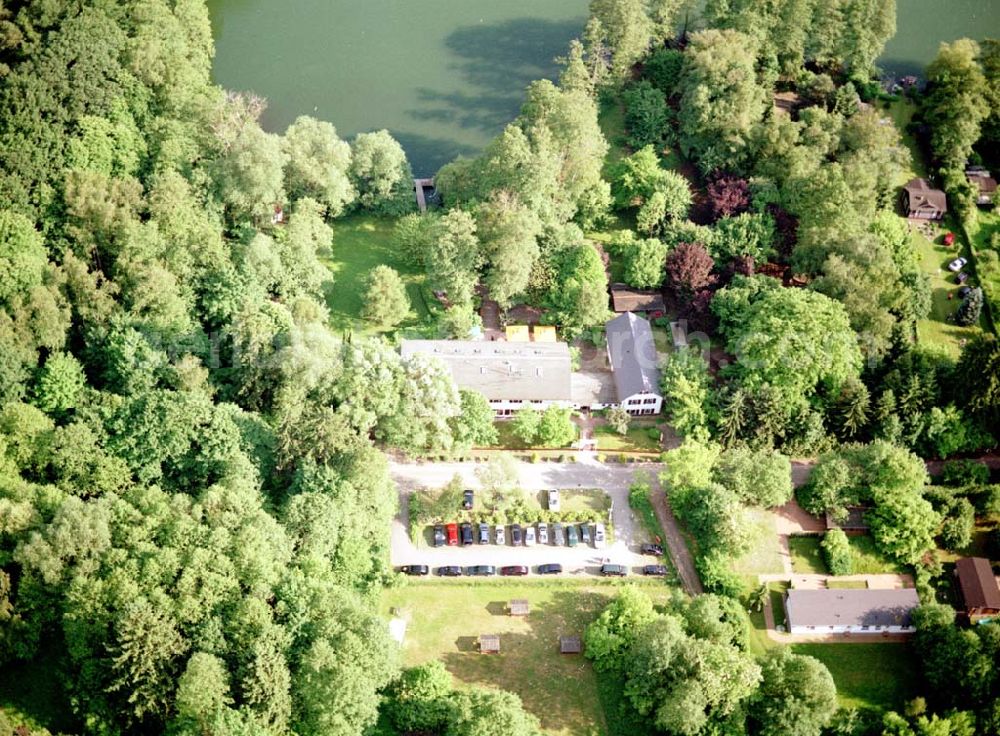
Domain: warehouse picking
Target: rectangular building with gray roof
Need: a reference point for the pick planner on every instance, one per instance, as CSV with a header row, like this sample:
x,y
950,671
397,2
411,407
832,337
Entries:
x,y
511,375
633,358
851,610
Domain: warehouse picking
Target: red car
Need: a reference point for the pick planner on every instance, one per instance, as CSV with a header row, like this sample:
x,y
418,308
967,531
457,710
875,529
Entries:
x,y
452,531
514,570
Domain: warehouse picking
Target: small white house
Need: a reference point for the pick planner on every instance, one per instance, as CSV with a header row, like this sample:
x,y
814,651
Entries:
x,y
511,375
632,356
851,611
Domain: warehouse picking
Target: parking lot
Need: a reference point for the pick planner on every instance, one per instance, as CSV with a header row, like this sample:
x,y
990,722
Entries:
x,y
580,560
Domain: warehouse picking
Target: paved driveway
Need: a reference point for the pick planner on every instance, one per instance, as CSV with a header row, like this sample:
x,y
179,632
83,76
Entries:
x,y
581,560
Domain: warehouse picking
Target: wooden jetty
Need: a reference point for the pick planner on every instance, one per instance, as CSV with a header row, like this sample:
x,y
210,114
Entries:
x,y
419,185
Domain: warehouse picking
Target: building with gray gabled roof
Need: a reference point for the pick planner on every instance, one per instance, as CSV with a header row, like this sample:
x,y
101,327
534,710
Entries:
x,y
633,358
511,375
851,610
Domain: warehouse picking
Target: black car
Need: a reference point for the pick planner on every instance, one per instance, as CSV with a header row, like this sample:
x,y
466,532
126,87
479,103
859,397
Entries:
x,y
618,571
451,571
439,535
414,569
550,569
514,570
652,549
964,292
658,570
481,570
466,531
467,498
484,533
516,537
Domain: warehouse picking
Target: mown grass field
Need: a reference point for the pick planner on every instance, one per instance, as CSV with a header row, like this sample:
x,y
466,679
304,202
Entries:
x,y
868,675
765,554
639,438
446,618
867,560
361,242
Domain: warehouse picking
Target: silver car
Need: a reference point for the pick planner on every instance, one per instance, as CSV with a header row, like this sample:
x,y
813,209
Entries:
x,y
501,535
599,541
529,536
558,537
543,533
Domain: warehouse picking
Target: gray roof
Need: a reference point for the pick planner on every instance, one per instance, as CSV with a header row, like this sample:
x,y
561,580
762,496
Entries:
x,y
519,371
633,355
851,607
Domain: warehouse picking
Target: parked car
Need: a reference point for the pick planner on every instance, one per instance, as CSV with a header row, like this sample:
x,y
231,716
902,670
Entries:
x,y
452,530
484,533
467,498
553,500
599,540
438,535
414,569
958,264
481,570
516,538
652,549
961,278
618,571
558,538
450,571
964,292
466,534
572,538
550,569
514,570
529,536
585,534
501,537
543,533
658,570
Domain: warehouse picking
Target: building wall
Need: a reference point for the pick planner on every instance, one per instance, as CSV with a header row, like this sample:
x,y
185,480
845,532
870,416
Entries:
x,y
643,404
850,629
504,409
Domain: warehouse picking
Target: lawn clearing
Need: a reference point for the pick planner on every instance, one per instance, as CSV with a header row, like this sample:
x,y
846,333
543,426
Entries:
x,y
807,557
445,621
764,556
835,584
360,243
639,438
935,329
866,559
880,676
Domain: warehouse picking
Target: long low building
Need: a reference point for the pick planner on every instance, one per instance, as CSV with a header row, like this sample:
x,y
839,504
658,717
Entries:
x,y
511,375
851,610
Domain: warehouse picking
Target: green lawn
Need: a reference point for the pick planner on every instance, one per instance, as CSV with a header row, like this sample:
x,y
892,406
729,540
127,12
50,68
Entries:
x,y
868,675
807,558
867,560
360,243
612,122
901,111
764,555
637,439
935,329
445,619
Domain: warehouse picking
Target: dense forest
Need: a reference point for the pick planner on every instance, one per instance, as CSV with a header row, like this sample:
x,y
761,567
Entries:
x,y
194,495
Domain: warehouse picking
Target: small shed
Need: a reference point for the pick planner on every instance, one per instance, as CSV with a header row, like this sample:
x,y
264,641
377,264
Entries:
x,y
518,607
570,645
980,593
518,333
678,331
544,333
489,644
985,184
626,299
786,102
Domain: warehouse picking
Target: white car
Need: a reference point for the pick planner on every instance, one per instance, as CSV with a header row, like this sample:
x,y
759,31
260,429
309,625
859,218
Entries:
x,y
543,533
599,541
957,264
553,500
501,538
529,536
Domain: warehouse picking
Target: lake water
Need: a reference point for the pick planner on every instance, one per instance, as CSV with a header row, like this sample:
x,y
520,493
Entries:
x,y
445,76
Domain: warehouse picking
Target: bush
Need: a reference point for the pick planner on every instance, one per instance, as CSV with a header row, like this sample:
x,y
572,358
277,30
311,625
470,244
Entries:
x,y
837,552
965,473
717,575
956,529
653,433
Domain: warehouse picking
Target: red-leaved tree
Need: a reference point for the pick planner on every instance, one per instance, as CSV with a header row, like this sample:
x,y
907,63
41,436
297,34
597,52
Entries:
x,y
689,270
727,196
